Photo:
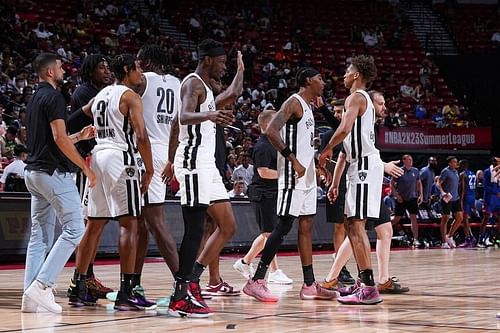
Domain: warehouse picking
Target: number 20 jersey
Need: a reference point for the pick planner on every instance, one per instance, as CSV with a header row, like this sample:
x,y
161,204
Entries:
x,y
114,130
161,104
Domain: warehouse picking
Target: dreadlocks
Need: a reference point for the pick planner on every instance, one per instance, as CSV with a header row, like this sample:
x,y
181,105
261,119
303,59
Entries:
x,y
153,56
89,65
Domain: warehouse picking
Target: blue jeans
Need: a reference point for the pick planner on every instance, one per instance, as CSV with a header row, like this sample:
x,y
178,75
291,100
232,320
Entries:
x,y
51,197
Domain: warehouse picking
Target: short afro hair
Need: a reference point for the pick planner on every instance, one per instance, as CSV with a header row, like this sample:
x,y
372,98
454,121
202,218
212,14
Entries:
x,y
366,67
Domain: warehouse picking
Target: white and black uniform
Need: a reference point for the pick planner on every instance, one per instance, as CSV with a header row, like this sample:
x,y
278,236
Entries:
x,y
200,181
297,197
160,102
366,170
117,192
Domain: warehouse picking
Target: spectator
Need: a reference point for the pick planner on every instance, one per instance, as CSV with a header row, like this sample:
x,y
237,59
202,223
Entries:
x,y
389,201
8,142
244,171
41,32
420,112
369,38
447,185
15,170
496,37
392,121
238,190
427,175
408,192
406,90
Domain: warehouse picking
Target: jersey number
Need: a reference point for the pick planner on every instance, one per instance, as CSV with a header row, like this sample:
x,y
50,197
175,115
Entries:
x,y
472,182
166,103
102,120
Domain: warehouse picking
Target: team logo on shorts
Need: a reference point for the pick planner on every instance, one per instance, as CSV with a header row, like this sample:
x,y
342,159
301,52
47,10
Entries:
x,y
362,175
130,171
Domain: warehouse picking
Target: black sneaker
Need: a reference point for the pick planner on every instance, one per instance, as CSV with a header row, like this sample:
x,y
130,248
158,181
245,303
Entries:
x,y
78,294
125,302
345,277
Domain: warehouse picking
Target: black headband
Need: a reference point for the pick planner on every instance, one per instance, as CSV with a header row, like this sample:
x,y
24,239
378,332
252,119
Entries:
x,y
304,73
213,52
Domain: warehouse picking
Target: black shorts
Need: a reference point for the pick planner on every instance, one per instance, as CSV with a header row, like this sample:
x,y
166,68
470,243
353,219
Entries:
x,y
451,206
265,212
335,211
384,217
410,205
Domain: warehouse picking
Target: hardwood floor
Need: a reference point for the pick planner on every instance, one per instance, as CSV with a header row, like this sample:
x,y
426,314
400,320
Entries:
x,y
451,291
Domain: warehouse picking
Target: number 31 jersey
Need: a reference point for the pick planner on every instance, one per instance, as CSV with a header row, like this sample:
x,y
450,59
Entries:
x,y
161,104
113,128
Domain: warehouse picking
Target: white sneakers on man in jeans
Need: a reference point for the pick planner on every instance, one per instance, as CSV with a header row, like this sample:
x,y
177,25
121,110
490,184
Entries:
x,y
39,296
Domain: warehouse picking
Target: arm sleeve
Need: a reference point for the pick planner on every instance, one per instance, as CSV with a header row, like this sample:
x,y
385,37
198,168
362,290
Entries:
x,y
329,117
78,120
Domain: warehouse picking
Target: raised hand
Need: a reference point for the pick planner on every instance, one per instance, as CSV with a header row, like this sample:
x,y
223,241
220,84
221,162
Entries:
x,y
241,64
392,169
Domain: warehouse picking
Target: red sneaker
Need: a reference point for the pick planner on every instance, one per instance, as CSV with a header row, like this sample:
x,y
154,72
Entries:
x,y
187,307
221,289
96,288
195,290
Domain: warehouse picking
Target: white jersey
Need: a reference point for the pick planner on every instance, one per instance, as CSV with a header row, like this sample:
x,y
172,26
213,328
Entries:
x,y
160,101
298,135
197,142
361,141
113,128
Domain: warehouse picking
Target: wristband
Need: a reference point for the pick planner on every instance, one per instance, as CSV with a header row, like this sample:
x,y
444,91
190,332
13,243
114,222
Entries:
x,y
286,152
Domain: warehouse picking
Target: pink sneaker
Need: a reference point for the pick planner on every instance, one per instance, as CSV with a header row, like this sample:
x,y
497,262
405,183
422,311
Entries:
x,y
345,291
366,295
316,291
259,290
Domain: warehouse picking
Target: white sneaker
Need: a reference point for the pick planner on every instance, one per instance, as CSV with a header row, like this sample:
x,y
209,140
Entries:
x,y
445,246
245,269
278,277
43,296
28,306
451,242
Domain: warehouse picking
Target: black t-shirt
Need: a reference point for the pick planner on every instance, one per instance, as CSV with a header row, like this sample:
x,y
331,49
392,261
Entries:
x,y
80,97
264,155
46,105
336,151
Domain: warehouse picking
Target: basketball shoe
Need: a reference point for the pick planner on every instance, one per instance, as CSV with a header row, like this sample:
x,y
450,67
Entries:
x,y
220,289
366,295
246,270
316,292
96,288
187,307
345,276
334,284
139,299
392,286
351,289
258,289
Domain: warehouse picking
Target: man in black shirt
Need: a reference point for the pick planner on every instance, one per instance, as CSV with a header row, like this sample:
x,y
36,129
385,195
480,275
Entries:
x,y
95,74
335,210
52,189
263,194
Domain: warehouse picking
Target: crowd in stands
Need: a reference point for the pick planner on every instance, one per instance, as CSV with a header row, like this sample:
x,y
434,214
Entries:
x,y
78,28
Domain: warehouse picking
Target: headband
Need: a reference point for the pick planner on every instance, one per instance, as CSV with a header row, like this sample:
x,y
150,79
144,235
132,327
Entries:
x,y
304,73
213,52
